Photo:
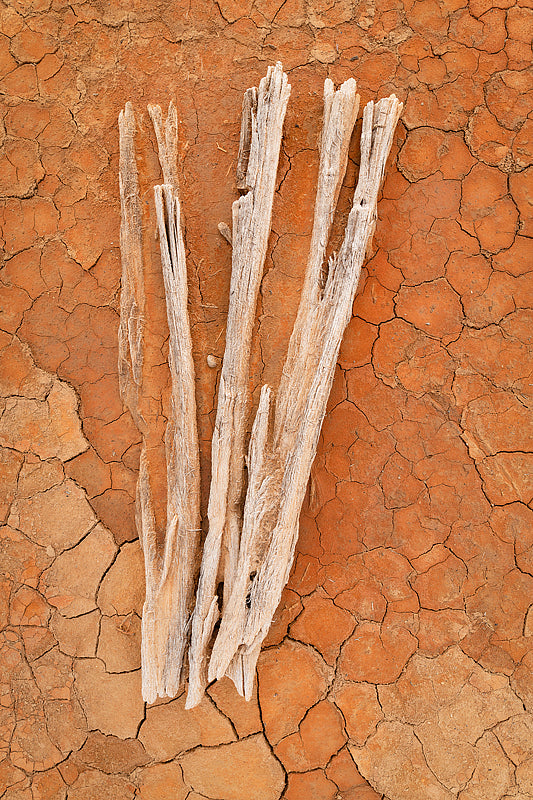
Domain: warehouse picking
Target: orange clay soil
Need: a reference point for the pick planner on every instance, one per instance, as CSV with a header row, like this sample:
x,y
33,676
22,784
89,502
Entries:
x,y
399,664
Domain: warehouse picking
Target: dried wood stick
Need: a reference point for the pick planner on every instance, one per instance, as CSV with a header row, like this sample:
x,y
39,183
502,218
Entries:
x,y
130,338
280,475
340,113
262,122
170,597
170,575
132,300
170,588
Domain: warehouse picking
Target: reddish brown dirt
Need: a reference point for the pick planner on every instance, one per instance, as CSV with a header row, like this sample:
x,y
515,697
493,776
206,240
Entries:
x,y
399,662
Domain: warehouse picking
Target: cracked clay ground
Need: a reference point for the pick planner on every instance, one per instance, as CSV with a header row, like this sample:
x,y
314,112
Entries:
x,y
399,664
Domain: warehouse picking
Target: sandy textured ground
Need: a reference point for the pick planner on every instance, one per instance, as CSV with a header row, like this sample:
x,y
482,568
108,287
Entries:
x,y
399,663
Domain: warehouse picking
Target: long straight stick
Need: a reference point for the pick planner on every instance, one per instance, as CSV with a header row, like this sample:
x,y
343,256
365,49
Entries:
x,y
261,130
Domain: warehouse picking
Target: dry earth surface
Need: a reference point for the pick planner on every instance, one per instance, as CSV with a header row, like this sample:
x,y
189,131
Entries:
x,y
399,662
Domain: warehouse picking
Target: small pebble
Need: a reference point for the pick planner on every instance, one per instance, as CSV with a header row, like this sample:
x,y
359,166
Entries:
x,y
212,361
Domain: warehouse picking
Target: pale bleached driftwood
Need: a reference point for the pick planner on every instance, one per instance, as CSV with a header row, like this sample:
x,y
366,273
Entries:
x,y
170,599
170,593
132,300
170,566
261,130
280,464
130,337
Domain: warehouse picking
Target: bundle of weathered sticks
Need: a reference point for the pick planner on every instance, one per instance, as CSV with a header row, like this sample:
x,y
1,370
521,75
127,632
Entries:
x,y
250,542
